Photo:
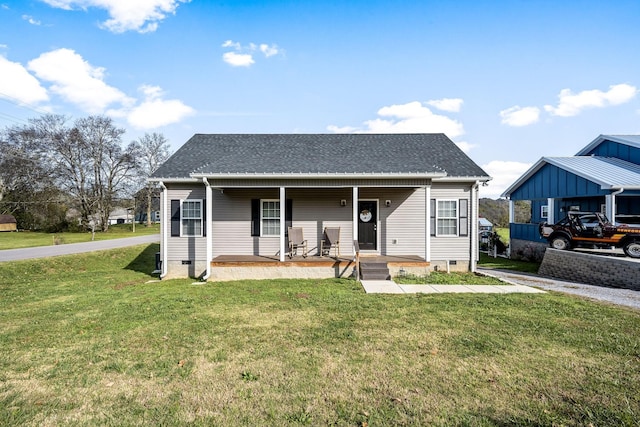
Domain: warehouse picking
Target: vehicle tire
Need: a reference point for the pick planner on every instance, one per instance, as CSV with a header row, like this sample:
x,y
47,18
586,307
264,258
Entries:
x,y
560,242
632,249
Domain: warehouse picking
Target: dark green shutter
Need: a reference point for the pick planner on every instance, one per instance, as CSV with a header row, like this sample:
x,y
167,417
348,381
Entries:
x,y
433,217
255,217
175,218
463,215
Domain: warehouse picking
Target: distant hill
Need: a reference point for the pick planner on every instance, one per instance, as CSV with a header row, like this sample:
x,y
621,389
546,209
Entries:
x,y
497,211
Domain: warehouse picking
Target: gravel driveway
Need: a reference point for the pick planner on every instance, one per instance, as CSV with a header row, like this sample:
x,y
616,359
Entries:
x,y
624,297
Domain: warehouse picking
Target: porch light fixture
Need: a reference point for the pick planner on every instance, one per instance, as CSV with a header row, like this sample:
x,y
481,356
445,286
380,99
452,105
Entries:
x,y
343,202
387,203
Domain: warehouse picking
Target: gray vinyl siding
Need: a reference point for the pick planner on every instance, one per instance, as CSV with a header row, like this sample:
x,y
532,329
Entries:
x,y
184,248
313,209
401,227
451,248
403,222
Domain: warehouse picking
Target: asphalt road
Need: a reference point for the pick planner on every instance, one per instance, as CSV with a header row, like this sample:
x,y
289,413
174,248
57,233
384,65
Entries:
x,y
75,248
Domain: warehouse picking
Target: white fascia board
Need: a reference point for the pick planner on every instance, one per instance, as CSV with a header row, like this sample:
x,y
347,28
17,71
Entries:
x,y
601,138
174,180
427,175
463,179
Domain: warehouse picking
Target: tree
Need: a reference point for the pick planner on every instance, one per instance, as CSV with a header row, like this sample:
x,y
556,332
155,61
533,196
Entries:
x,y
27,188
84,159
151,151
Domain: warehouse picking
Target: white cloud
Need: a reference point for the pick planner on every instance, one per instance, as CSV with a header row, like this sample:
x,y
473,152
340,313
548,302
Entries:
x,y
520,116
243,55
154,111
465,146
504,174
451,105
31,20
269,50
77,81
412,117
142,16
17,84
571,104
238,59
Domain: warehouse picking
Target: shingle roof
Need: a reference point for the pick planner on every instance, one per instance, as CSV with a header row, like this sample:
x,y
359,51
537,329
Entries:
x,y
319,154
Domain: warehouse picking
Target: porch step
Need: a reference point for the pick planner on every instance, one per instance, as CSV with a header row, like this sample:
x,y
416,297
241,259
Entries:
x,y
374,271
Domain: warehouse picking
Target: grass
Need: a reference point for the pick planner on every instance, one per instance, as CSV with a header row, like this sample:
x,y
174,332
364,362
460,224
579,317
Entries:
x,y
487,261
29,239
86,340
453,278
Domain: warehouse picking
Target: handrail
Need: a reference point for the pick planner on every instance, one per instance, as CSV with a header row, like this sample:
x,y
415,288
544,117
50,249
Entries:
x,y
356,248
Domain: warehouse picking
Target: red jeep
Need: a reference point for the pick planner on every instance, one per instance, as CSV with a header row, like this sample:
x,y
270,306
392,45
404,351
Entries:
x,y
591,230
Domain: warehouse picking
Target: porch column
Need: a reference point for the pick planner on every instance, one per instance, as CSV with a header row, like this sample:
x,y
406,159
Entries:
x,y
473,227
427,223
551,211
283,210
208,225
355,213
165,221
512,212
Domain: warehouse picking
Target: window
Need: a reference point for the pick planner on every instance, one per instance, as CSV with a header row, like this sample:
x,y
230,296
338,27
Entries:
x,y
191,218
270,217
447,218
544,211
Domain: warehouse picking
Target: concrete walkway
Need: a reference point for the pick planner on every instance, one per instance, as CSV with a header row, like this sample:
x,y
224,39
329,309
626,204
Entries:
x,y
391,287
75,248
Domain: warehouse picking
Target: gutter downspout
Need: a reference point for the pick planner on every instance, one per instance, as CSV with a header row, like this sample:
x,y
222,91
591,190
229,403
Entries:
x,y
613,204
209,211
474,226
163,230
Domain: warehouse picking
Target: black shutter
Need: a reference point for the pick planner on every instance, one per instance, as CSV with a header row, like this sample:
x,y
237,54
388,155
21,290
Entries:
x,y
175,218
288,216
463,215
204,217
255,217
433,217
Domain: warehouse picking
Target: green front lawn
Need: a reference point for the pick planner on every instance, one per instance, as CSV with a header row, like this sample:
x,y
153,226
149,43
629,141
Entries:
x,y
87,340
29,239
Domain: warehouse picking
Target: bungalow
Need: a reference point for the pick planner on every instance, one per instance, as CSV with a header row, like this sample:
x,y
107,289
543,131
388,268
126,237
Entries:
x,y
604,176
228,201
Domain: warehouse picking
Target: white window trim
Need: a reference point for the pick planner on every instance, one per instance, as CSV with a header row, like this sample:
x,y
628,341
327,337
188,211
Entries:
x,y
544,211
183,218
262,218
457,217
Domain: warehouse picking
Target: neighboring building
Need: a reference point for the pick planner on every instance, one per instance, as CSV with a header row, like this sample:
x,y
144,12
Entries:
x,y
8,223
228,200
604,176
484,225
120,216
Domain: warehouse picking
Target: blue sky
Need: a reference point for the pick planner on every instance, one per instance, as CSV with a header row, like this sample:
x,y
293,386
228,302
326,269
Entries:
x,y
508,81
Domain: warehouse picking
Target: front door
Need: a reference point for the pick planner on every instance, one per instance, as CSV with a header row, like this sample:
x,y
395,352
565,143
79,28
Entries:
x,y
368,225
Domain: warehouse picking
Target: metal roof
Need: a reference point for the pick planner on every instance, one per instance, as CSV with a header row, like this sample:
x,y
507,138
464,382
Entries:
x,y
319,155
608,172
631,140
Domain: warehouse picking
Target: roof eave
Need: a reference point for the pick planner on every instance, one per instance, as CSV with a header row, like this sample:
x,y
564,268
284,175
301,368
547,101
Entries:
x,y
403,175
